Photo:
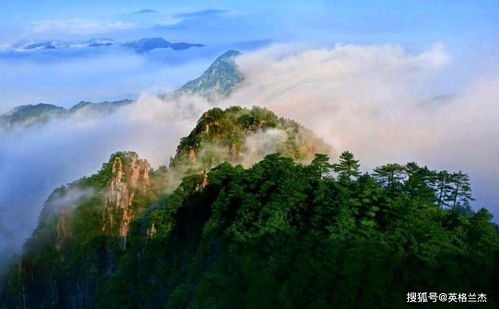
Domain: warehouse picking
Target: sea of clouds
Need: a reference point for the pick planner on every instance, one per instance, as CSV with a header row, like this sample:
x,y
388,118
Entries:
x,y
374,100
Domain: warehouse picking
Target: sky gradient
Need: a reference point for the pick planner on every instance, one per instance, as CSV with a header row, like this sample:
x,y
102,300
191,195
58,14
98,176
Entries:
x,y
469,30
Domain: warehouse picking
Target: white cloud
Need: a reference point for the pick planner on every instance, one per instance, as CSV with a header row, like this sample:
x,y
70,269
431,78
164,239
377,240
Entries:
x,y
350,94
80,26
373,100
262,143
367,99
169,21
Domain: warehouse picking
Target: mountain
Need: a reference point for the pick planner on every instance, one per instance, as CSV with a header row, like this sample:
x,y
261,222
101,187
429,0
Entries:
x,y
100,42
148,44
219,80
286,229
102,108
59,44
107,203
28,115
140,46
45,45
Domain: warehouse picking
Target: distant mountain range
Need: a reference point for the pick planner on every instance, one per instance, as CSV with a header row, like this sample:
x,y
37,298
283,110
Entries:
x,y
140,46
219,80
27,115
145,45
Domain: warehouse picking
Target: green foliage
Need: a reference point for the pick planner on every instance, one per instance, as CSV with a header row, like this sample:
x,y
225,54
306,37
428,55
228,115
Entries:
x,y
280,234
101,179
348,166
220,136
390,175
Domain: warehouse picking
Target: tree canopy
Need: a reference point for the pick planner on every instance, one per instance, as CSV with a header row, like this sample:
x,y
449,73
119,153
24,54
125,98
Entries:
x,y
280,234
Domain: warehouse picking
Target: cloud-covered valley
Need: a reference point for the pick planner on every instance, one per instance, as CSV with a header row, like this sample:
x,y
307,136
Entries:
x,y
375,100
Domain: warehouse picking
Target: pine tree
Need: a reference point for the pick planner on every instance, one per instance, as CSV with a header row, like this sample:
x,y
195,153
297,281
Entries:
x,y
443,188
321,163
390,175
420,182
347,167
460,190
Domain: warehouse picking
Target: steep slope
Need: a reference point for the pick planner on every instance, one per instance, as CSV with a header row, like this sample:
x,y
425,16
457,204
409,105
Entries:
x,y
243,136
84,226
219,80
99,211
279,234
207,233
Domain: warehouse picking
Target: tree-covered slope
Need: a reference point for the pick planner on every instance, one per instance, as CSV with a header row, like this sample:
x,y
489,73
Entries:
x,y
279,233
242,136
286,235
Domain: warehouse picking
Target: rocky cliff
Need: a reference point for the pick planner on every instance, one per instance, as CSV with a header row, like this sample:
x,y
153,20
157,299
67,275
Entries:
x,y
98,214
206,232
130,177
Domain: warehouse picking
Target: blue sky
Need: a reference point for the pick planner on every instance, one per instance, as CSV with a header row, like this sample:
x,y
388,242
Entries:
x,y
468,29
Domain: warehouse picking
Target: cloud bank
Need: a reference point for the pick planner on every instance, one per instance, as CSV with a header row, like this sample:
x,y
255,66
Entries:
x,y
378,101
372,100
80,26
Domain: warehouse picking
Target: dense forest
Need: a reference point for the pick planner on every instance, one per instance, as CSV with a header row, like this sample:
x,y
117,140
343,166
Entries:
x,y
280,233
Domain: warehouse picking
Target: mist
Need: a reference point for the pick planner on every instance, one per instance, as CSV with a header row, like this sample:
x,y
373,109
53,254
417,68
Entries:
x,y
36,160
374,100
381,103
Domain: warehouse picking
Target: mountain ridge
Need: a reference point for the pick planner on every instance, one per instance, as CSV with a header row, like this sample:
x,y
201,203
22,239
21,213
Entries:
x,y
218,81
140,46
41,113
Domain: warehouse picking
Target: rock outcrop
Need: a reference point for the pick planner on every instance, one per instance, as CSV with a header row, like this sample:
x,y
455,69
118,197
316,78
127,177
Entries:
x,y
130,176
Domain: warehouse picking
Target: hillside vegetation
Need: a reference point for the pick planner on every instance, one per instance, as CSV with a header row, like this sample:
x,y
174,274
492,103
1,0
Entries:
x,y
250,214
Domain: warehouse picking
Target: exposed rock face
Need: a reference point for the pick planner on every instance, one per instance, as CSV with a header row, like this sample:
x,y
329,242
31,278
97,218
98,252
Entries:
x,y
204,181
210,124
192,155
91,214
233,153
128,179
151,231
64,227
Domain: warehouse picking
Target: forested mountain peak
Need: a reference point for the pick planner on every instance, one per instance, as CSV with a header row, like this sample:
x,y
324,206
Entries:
x,y
244,136
112,198
208,232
